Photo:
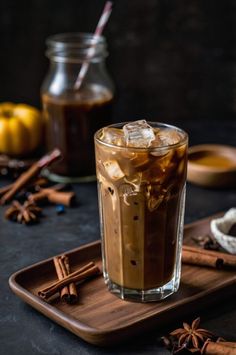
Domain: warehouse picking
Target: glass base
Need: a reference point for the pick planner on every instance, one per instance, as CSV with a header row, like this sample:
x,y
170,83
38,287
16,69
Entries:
x,y
67,179
151,295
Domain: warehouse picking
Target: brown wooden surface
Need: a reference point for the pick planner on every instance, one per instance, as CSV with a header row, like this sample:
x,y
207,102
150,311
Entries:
x,y
100,317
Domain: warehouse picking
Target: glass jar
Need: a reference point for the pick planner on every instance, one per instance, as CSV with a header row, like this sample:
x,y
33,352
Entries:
x,y
71,115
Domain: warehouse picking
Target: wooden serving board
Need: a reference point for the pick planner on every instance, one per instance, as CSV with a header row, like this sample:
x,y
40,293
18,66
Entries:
x,y
103,319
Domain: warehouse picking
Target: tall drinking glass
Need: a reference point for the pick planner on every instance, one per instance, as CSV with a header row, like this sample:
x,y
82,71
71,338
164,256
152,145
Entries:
x,y
141,185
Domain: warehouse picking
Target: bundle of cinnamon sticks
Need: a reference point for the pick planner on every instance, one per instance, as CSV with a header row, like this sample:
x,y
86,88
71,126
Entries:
x,y
29,175
65,284
31,186
209,258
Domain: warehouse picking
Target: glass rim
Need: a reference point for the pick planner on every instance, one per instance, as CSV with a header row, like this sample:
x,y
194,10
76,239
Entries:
x,y
73,47
182,141
73,39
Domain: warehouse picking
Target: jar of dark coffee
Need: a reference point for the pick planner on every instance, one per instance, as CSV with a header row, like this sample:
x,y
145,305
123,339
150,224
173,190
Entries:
x,y
73,114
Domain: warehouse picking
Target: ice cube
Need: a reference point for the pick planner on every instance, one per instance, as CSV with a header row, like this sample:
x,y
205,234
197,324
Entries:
x,y
181,167
112,135
140,160
181,151
166,137
113,169
159,153
138,134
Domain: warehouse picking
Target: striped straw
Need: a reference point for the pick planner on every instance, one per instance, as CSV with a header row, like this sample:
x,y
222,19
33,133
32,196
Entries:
x,y
99,29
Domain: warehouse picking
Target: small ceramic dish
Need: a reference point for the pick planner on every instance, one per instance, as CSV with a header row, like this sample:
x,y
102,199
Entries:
x,y
212,165
220,228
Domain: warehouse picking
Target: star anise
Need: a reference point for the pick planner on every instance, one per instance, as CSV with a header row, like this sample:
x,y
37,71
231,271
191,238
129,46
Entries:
x,y
192,336
26,213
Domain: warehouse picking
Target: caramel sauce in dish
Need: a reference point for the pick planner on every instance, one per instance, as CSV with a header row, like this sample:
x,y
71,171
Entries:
x,y
215,161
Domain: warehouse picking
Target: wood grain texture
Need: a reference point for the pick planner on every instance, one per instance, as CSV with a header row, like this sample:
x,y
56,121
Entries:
x,y
103,319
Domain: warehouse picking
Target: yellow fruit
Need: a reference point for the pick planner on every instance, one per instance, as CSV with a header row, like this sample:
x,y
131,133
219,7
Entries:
x,y
20,129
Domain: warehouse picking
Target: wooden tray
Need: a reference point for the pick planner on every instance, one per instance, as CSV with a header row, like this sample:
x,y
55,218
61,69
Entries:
x,y
103,319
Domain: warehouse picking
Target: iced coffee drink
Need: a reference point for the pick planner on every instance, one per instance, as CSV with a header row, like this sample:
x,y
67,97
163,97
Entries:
x,y
141,172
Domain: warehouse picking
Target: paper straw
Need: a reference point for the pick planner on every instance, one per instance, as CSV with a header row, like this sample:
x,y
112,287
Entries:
x,y
99,29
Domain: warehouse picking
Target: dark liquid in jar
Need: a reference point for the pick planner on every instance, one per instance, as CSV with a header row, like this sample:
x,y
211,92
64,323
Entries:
x,y
70,124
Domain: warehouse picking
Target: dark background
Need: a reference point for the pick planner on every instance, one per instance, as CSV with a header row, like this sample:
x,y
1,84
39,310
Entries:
x,y
171,60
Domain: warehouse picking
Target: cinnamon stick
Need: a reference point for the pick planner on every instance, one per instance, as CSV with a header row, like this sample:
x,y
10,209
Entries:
x,y
62,198
44,193
227,343
32,172
38,196
64,293
37,182
193,258
81,274
72,288
197,256
5,189
221,348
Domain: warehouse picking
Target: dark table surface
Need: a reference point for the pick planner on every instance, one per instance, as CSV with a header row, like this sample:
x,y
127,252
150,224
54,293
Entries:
x,y
24,331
